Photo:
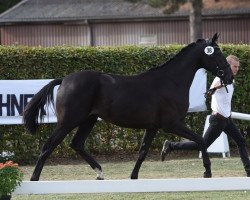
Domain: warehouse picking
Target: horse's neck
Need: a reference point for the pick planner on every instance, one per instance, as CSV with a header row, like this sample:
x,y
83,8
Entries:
x,y
182,69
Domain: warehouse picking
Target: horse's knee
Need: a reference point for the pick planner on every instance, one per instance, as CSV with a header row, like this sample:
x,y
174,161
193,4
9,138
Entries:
x,y
241,142
142,155
76,144
46,147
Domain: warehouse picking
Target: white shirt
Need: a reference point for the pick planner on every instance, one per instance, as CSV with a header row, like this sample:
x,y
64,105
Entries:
x,y
221,100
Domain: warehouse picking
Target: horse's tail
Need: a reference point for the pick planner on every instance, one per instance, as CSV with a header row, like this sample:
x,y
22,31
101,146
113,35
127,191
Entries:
x,y
35,108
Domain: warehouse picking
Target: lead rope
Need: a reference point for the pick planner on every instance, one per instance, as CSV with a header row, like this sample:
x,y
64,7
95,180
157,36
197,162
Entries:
x,y
223,85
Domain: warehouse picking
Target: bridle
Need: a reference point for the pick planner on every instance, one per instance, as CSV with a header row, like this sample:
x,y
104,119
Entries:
x,y
209,50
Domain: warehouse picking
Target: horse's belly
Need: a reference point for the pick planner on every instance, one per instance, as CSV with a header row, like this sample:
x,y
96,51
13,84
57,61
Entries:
x,y
127,112
130,124
131,120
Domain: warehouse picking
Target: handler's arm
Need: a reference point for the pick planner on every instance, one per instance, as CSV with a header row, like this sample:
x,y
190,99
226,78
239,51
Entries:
x,y
214,86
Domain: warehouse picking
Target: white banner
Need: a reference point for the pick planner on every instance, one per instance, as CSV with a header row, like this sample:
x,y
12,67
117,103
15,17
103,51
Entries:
x,y
15,94
197,100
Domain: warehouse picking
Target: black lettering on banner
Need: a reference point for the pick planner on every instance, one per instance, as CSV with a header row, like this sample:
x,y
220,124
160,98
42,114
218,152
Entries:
x,y
5,104
26,99
13,103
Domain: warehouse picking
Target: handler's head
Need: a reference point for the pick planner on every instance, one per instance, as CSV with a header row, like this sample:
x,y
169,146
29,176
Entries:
x,y
234,62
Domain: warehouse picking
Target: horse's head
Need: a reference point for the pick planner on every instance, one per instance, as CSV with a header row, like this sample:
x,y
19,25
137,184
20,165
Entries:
x,y
214,61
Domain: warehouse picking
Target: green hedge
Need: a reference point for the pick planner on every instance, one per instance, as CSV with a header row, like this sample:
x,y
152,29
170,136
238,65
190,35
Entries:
x,y
18,62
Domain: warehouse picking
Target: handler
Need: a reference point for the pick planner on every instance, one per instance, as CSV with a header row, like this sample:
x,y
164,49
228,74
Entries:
x,y
220,120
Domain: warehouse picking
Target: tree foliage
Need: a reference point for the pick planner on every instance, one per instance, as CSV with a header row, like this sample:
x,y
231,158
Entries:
x,y
6,4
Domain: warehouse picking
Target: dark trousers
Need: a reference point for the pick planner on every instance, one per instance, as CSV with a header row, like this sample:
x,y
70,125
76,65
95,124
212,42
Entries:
x,y
216,126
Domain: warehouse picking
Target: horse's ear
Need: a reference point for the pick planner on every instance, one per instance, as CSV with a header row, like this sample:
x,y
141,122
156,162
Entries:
x,y
215,37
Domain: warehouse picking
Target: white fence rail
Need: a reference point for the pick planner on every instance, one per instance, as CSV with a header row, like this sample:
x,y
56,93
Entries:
x,y
141,185
242,116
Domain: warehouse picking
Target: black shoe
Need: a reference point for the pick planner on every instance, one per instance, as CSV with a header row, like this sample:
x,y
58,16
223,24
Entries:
x,y
248,174
165,150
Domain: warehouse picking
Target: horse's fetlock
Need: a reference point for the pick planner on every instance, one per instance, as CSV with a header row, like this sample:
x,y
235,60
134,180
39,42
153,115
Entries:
x,y
100,174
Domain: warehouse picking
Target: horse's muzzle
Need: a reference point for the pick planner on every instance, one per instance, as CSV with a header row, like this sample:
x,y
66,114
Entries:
x,y
226,76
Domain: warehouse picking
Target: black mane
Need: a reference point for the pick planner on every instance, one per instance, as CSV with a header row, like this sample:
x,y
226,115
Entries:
x,y
180,53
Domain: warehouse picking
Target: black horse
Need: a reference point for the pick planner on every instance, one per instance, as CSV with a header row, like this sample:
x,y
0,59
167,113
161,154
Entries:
x,y
155,99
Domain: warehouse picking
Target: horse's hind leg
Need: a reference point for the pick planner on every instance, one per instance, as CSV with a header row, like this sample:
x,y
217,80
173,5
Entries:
x,y
181,130
78,142
54,140
146,142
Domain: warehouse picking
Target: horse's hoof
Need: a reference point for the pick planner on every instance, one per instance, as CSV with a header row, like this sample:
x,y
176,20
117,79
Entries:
x,y
100,175
34,179
207,175
134,177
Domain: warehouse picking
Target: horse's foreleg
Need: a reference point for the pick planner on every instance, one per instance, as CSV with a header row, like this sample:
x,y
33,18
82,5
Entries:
x,y
55,139
181,130
146,142
206,162
78,142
